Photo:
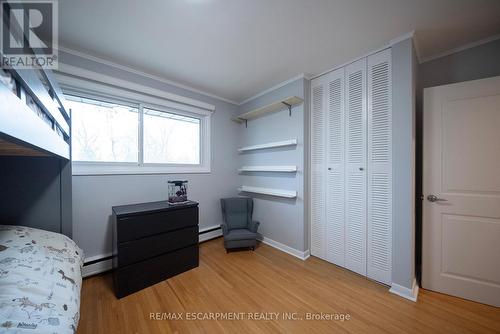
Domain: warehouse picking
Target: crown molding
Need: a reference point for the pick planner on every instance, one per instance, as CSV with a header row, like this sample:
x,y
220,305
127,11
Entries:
x,y
411,34
393,41
268,90
141,73
416,47
461,48
66,72
408,35
80,54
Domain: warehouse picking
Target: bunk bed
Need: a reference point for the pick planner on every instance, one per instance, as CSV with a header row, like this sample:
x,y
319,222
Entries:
x,y
33,118
40,266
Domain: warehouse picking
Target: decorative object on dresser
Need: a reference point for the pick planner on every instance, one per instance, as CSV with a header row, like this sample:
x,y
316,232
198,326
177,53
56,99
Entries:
x,y
152,242
177,192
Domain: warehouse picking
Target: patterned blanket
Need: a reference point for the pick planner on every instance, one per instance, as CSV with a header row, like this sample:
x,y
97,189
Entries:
x,y
40,281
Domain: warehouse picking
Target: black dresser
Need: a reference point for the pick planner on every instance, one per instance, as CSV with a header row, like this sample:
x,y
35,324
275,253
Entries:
x,y
152,242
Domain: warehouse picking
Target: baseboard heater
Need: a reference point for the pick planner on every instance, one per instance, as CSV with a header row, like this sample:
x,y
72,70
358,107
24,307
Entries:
x,y
98,260
105,263
208,230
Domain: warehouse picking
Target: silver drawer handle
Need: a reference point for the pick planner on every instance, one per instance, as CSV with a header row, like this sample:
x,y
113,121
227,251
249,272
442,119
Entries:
x,y
434,198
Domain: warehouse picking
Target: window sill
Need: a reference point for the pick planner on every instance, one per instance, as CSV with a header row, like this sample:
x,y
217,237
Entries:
x,y
82,170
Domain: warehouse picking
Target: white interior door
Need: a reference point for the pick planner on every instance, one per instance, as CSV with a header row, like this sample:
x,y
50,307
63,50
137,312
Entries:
x,y
355,196
318,175
461,218
379,222
335,194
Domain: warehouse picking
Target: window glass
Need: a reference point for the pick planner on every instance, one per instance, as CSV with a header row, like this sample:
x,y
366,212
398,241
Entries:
x,y
170,138
102,131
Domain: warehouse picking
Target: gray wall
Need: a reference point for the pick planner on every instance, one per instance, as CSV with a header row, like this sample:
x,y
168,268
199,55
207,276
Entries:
x,y
475,63
403,108
93,196
480,62
282,220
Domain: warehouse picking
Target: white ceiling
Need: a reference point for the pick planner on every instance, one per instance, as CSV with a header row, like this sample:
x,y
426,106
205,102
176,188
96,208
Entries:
x,y
237,48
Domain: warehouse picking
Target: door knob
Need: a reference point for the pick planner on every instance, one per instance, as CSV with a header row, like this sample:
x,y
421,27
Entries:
x,y
434,198
361,169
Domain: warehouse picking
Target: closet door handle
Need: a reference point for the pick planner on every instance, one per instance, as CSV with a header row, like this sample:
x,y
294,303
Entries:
x,y
329,168
434,198
361,169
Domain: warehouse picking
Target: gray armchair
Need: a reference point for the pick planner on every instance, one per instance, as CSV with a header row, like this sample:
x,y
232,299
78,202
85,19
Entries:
x,y
238,228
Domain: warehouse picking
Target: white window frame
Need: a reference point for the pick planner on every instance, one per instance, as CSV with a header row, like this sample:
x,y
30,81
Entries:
x,y
99,91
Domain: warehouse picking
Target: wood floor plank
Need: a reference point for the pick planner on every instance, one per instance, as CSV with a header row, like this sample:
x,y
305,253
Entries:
x,y
268,280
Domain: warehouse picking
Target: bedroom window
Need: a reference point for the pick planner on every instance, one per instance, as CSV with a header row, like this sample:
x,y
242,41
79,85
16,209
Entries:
x,y
103,132
110,136
171,138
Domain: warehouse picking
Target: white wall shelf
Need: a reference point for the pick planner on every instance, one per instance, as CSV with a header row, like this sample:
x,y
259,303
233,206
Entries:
x,y
289,102
285,169
269,191
284,143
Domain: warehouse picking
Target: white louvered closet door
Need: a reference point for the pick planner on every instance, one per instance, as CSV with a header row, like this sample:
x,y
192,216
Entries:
x,y
379,243
356,151
318,175
335,214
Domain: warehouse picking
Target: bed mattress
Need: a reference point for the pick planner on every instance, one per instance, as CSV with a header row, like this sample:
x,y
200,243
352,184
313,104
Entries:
x,y
40,281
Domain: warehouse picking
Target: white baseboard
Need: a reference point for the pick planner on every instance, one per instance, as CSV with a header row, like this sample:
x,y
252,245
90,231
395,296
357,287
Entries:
x,y
402,291
105,265
96,257
209,235
97,268
284,248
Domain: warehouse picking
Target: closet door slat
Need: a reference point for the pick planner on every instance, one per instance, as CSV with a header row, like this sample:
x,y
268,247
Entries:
x,y
318,175
379,264
351,167
356,151
335,198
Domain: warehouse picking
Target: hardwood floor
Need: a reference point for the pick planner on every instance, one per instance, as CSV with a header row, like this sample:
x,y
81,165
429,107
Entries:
x,y
268,280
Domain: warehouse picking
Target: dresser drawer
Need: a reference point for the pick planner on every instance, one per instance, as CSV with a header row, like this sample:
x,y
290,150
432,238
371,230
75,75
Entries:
x,y
137,227
135,277
137,250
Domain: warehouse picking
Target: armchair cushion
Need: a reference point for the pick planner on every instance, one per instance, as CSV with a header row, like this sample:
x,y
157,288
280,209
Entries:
x,y
240,234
